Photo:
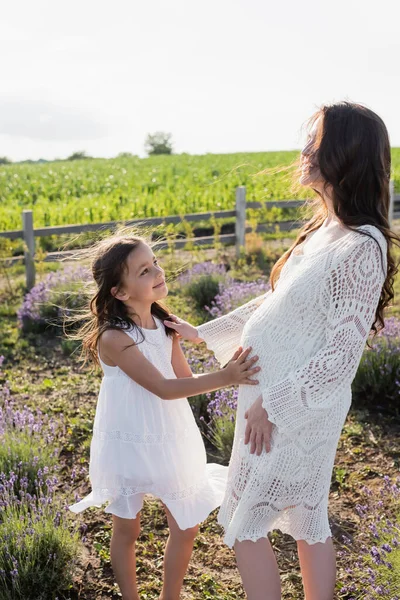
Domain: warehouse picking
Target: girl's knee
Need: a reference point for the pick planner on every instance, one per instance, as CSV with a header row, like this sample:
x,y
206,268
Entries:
x,y
188,534
126,530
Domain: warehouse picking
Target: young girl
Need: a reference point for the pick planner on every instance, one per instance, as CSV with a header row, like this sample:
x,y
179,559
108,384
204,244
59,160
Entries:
x,y
327,292
145,439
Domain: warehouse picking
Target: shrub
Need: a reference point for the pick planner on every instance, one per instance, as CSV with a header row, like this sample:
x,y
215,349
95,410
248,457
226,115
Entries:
x,y
53,298
202,283
37,547
377,381
26,442
373,555
220,427
233,294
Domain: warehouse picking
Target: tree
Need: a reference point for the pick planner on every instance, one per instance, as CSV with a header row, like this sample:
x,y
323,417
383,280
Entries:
x,y
4,160
78,156
158,143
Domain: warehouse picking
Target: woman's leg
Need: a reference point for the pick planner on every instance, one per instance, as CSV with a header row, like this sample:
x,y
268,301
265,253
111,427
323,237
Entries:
x,y
176,558
258,569
123,557
318,569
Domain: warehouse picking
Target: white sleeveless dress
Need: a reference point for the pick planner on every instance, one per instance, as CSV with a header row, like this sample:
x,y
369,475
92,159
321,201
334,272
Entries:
x,y
143,444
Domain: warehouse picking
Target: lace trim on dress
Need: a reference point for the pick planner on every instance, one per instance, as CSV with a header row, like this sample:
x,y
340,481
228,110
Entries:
x,y
140,438
127,491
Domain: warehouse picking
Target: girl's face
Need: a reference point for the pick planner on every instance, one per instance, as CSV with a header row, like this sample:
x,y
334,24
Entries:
x,y
143,280
310,173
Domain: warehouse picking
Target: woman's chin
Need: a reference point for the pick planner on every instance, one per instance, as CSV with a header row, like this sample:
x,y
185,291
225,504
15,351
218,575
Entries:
x,y
304,179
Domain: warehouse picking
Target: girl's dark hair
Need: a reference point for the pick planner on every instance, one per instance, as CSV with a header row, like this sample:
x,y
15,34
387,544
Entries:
x,y
352,152
109,262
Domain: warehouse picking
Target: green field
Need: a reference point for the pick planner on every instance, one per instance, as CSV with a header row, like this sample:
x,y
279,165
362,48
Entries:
x,y
97,190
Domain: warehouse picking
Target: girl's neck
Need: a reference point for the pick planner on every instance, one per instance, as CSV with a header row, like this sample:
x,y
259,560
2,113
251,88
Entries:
x,y
141,315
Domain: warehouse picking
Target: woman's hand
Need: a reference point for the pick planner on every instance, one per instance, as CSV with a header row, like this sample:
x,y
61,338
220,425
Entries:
x,y
258,428
240,368
183,329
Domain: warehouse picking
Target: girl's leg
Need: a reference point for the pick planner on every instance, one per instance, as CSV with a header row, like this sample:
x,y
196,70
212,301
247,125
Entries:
x,y
258,569
318,569
123,558
176,558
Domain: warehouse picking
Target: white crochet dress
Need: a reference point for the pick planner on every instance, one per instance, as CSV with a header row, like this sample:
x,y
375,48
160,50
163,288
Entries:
x,y
310,334
143,444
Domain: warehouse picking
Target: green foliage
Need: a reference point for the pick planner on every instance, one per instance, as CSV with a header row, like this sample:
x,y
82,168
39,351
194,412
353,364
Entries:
x,y
377,381
24,454
81,155
221,432
158,143
45,557
93,191
127,187
203,290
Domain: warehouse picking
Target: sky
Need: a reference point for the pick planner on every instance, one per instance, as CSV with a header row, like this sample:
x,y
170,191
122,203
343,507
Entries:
x,y
219,75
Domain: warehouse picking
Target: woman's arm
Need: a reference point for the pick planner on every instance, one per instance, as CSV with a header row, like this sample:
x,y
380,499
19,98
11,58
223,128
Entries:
x,y
143,372
351,294
221,335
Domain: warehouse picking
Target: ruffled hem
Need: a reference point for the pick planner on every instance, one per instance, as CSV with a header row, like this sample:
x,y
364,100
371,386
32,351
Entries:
x,y
230,539
187,511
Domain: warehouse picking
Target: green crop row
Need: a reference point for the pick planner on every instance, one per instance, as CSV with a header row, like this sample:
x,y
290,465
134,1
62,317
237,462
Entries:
x,y
97,190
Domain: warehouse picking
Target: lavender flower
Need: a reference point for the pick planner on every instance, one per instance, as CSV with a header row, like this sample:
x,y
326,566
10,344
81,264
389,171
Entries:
x,y
38,301
235,293
201,269
372,575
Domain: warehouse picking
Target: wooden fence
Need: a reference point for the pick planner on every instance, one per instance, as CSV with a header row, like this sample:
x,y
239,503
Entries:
x,y
28,233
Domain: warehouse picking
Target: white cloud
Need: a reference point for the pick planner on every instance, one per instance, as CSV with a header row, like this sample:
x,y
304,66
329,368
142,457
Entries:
x,y
44,121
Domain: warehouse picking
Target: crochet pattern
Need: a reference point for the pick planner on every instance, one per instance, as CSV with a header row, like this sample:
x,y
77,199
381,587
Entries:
x,y
309,334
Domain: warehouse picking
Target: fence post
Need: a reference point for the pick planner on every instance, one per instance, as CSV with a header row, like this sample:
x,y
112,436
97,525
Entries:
x,y
240,225
391,202
29,250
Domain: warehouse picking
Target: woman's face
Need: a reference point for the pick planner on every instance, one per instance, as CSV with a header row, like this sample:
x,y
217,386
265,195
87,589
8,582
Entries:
x,y
310,174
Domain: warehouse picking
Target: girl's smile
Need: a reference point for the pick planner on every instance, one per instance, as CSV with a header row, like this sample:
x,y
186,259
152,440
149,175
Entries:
x,y
159,285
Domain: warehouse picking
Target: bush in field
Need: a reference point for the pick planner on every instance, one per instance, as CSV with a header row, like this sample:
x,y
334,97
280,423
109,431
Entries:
x,y
58,295
37,547
373,555
377,382
202,283
220,427
233,294
26,441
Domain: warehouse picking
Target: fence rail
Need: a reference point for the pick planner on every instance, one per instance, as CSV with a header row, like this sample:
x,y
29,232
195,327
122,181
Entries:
x,y
28,233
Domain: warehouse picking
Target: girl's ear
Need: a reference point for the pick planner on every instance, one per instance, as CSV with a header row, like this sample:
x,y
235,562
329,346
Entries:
x,y
118,293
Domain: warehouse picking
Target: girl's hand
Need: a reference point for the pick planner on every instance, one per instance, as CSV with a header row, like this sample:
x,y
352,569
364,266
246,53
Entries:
x,y
183,329
240,368
258,428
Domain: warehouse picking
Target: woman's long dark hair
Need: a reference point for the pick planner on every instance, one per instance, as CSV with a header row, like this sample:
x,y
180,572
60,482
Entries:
x,y
109,262
352,152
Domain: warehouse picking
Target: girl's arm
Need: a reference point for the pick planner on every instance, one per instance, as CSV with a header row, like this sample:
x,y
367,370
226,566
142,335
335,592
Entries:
x,y
221,335
179,362
142,371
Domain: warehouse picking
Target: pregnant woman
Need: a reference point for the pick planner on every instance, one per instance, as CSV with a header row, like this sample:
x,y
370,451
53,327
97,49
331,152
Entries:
x,y
328,291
